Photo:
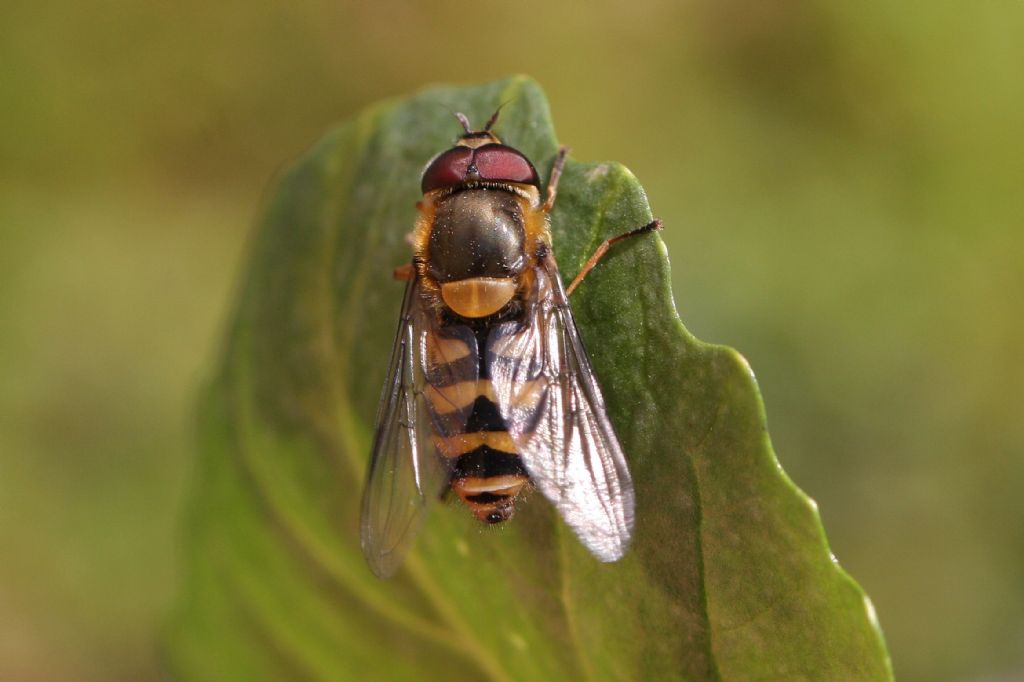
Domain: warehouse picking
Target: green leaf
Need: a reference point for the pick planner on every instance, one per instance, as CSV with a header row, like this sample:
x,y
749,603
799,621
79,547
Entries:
x,y
729,576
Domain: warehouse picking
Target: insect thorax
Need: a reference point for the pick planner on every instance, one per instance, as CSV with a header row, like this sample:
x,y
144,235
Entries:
x,y
476,249
477,233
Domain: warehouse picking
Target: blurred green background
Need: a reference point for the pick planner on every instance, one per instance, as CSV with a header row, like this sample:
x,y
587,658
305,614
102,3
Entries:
x,y
842,188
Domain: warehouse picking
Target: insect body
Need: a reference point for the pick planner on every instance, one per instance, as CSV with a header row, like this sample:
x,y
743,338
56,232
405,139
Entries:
x,y
490,389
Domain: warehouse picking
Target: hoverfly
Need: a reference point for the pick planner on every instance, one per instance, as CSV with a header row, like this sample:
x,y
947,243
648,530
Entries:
x,y
490,390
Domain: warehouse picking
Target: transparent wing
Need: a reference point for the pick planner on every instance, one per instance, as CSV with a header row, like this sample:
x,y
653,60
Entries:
x,y
556,416
405,474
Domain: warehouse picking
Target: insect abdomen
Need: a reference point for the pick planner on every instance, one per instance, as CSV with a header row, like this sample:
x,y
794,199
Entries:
x,y
487,472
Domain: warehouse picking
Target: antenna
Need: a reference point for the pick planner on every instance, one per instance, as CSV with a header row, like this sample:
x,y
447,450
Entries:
x,y
465,122
494,117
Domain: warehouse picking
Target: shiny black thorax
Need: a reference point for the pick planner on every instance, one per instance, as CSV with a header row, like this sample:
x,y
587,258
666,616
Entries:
x,y
477,233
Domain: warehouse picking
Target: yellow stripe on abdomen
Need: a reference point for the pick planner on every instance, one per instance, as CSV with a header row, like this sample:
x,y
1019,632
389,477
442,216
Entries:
x,y
454,446
448,399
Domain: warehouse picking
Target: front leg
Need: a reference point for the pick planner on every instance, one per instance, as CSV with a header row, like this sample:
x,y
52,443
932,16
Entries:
x,y
556,173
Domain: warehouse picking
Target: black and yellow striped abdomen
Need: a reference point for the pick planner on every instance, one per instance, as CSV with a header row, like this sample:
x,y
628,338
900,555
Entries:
x,y
468,427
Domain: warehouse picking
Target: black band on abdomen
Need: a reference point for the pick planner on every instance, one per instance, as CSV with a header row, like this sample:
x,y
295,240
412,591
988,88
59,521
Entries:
x,y
486,462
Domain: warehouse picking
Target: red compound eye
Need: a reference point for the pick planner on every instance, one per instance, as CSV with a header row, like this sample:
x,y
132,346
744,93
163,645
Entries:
x,y
494,162
504,164
447,169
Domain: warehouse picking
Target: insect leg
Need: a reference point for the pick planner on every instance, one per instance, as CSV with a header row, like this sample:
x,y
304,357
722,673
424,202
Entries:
x,y
556,173
603,249
404,272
